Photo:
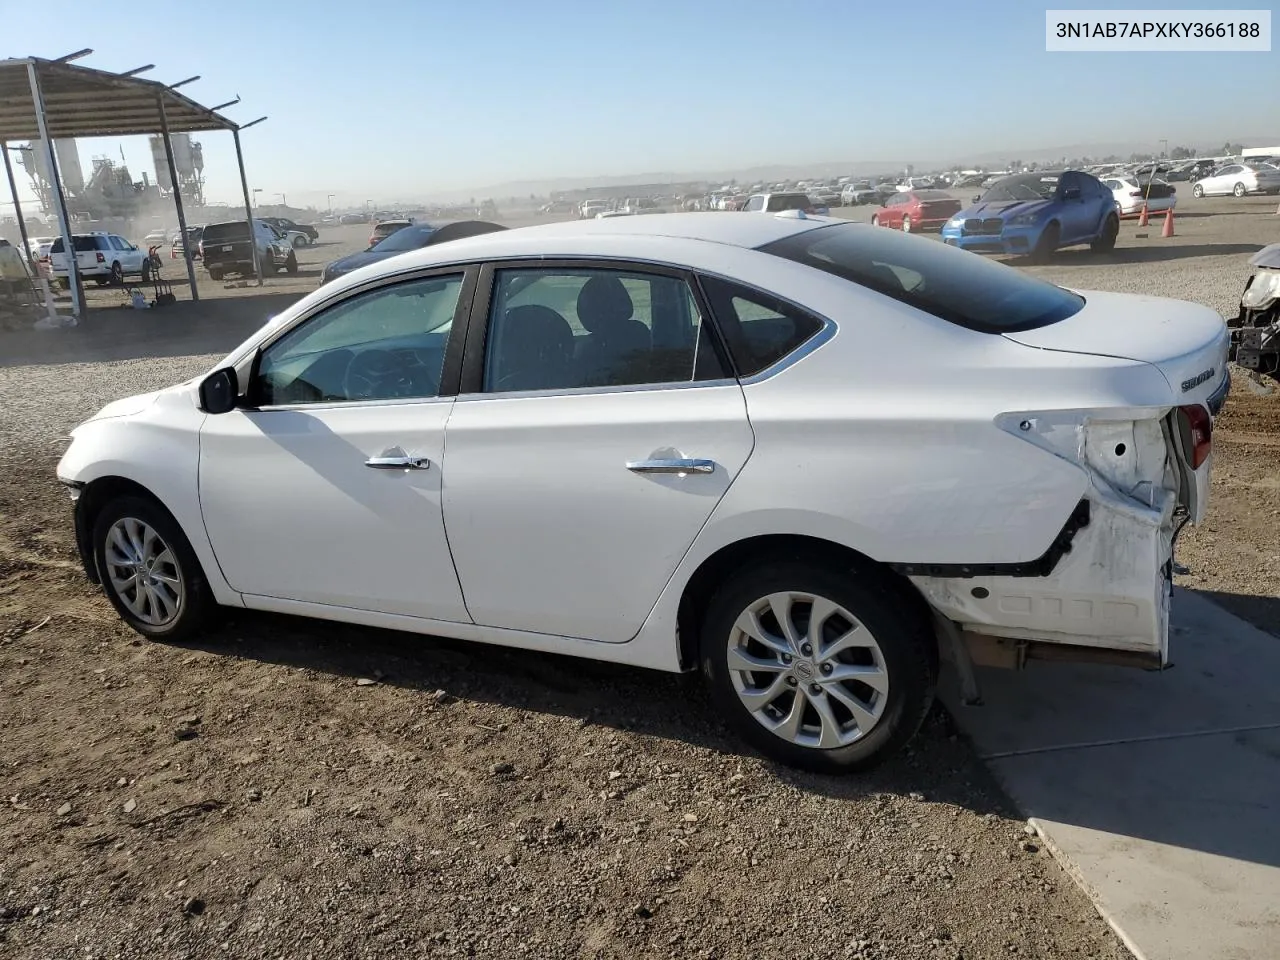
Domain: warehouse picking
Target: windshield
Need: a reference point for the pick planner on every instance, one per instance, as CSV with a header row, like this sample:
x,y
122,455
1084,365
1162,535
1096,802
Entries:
x,y
82,244
405,238
957,286
787,201
233,230
1035,186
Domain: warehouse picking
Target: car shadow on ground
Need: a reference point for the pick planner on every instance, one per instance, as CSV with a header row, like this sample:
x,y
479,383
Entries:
x,y
1187,757
938,765
1262,612
109,332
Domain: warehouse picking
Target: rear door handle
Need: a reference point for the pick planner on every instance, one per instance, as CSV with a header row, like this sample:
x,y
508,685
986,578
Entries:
x,y
671,466
398,463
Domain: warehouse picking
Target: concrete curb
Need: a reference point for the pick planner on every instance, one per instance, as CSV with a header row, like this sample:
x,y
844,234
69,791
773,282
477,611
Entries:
x,y
1074,872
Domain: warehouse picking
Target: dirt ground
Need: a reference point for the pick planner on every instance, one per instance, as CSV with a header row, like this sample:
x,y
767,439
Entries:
x,y
287,788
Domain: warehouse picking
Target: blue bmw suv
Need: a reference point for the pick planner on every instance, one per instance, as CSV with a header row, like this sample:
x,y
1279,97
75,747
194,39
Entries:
x,y
1036,214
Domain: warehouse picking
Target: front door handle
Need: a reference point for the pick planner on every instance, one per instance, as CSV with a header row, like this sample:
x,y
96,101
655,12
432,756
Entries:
x,y
680,466
398,463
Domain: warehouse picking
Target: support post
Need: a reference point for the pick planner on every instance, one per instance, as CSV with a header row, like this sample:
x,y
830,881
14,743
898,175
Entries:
x,y
59,202
177,201
248,210
17,209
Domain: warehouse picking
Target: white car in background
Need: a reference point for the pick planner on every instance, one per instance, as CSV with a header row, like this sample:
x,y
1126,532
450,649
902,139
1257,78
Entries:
x,y
1238,179
682,442
1131,194
38,247
105,257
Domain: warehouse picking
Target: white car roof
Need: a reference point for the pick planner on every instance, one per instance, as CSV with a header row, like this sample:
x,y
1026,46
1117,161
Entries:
x,y
724,228
671,237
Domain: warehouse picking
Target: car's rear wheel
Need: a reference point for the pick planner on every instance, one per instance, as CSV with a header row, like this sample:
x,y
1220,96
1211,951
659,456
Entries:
x,y
1197,191
215,273
117,274
817,667
1238,190
301,241
148,569
1106,241
1047,243
906,224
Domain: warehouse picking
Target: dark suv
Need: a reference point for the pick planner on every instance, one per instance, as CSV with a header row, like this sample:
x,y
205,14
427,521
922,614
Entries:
x,y
226,248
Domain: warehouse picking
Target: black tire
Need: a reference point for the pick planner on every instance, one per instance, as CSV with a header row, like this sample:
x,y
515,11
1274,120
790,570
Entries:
x,y
1047,243
215,273
196,603
903,636
291,265
117,275
268,264
1238,190
1197,191
875,220
1106,241
101,281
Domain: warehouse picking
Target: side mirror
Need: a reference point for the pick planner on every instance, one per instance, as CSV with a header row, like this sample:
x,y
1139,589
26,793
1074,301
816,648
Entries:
x,y
1071,193
219,390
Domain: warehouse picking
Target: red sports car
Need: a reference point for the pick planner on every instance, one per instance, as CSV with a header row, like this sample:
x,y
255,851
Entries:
x,y
917,210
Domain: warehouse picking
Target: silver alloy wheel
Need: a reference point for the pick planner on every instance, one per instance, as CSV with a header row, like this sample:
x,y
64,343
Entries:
x,y
808,670
906,224
144,572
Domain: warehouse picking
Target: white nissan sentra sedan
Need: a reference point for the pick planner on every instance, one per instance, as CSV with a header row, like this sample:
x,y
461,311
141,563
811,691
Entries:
x,y
803,456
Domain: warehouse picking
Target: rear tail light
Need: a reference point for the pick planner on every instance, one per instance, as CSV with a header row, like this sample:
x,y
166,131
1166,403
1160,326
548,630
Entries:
x,y
1200,433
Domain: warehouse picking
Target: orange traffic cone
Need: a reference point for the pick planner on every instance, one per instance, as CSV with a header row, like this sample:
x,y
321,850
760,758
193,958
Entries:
x,y
1168,223
1142,220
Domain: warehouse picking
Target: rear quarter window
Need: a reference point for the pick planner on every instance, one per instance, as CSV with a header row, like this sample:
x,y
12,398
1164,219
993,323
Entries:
x,y
759,330
960,287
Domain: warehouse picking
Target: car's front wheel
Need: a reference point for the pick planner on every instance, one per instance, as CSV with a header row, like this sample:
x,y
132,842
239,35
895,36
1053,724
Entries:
x,y
1047,243
1105,242
875,220
148,569
1197,191
817,667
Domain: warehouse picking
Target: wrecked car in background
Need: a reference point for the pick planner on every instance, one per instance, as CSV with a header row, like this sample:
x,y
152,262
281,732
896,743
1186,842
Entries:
x,y
1255,332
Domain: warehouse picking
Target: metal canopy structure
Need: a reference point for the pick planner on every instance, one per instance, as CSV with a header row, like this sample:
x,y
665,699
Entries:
x,y
84,102
50,100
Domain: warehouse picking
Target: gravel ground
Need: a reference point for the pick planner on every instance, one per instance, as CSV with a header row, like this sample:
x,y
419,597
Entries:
x,y
287,788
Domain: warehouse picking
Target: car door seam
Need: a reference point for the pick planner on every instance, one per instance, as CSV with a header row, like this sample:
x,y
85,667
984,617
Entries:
x,y
444,514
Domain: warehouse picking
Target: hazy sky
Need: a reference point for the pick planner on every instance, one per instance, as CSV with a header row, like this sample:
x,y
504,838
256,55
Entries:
x,y
394,99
